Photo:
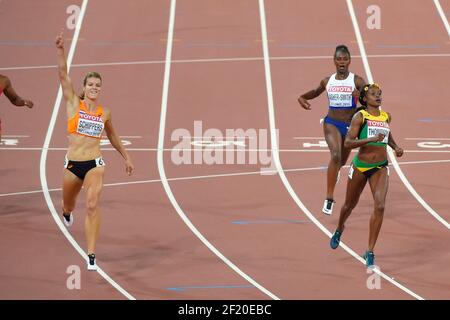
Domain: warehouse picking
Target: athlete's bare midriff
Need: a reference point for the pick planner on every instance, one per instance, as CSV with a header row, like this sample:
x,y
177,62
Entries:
x,y
82,148
372,154
341,115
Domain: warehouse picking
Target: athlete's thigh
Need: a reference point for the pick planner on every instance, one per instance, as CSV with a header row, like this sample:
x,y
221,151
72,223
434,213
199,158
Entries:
x,y
332,137
379,184
71,186
355,185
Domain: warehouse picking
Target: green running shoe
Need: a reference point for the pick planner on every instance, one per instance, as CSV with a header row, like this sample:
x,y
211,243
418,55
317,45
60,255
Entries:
x,y
335,239
370,258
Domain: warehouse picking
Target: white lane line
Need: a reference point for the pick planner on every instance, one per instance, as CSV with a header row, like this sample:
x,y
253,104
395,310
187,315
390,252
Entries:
x,y
307,138
160,156
131,137
420,139
221,175
442,15
421,162
44,153
390,151
412,55
32,149
26,192
176,149
277,161
15,136
209,148
237,59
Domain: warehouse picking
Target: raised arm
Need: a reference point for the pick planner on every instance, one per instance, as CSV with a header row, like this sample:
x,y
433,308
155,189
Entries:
x,y
71,98
351,140
314,93
117,144
15,99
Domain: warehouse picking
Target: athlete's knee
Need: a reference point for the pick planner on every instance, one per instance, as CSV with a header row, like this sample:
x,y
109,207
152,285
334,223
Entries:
x,y
379,207
91,205
336,157
349,206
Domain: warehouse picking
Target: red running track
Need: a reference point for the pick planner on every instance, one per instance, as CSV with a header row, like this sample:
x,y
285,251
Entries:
x,y
250,218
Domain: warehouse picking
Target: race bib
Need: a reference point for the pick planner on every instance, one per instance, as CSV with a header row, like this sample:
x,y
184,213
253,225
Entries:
x,y
99,162
376,127
90,125
340,96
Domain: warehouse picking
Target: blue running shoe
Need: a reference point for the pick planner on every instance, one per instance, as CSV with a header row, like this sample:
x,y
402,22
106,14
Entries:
x,y
335,239
370,258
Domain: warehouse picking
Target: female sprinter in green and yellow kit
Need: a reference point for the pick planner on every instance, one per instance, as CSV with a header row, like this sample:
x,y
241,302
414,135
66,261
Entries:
x,y
369,131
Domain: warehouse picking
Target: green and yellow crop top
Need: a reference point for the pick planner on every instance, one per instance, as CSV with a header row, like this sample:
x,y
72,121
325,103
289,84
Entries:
x,y
373,125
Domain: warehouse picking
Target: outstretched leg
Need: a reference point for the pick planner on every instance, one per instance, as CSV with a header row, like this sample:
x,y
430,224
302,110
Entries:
x,y
71,188
93,184
355,185
335,143
379,183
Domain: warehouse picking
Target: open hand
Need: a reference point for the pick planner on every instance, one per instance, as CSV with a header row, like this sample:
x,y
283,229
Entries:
x,y
304,103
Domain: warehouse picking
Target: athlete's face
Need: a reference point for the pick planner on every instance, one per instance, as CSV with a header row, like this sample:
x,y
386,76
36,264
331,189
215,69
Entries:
x,y
92,88
373,97
342,61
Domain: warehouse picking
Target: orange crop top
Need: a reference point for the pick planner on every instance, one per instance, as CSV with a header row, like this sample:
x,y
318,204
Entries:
x,y
86,123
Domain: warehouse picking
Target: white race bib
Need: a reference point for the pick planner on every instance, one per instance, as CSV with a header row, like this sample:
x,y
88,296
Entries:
x,y
376,127
90,125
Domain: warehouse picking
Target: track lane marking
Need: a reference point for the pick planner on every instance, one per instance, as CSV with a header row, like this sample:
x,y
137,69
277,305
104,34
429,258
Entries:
x,y
222,175
236,59
160,162
442,15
